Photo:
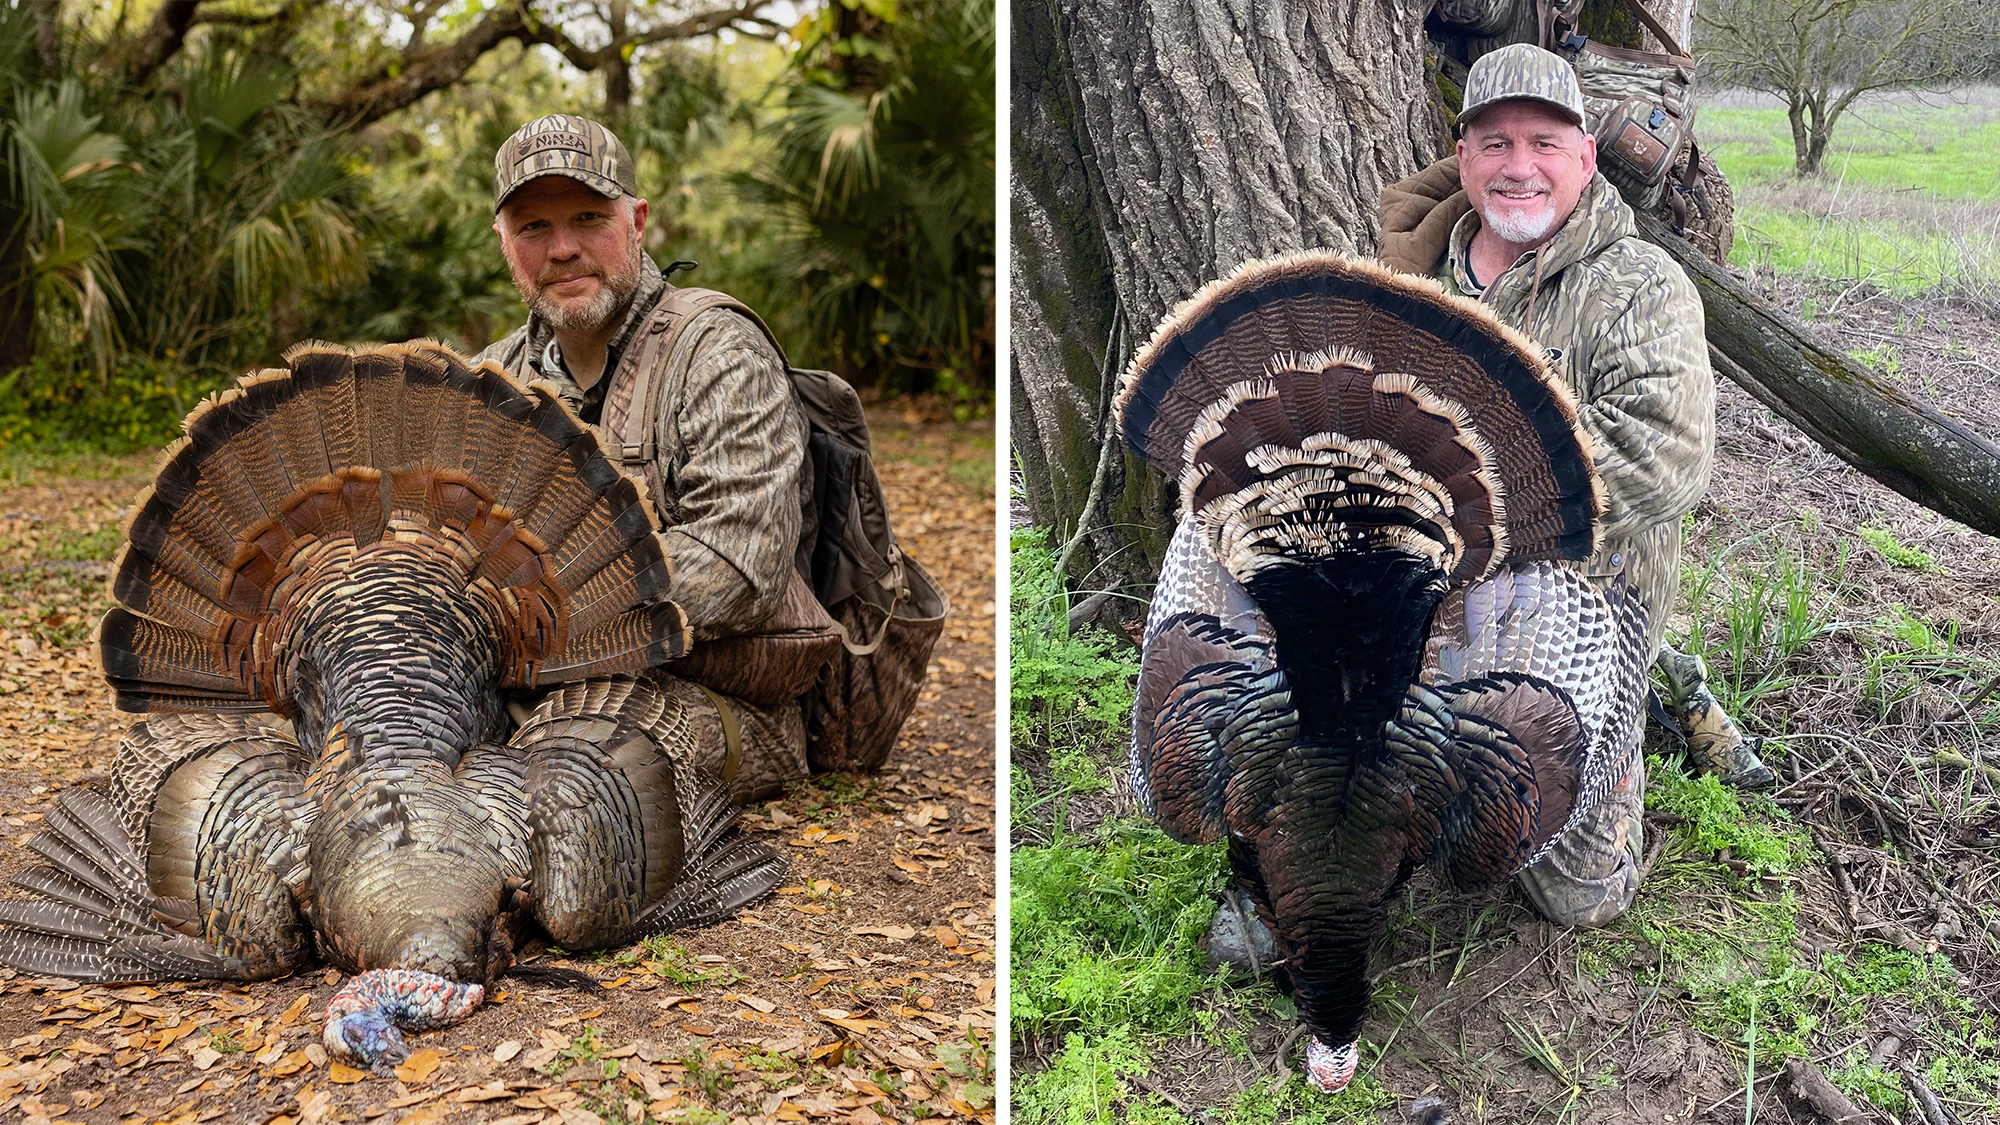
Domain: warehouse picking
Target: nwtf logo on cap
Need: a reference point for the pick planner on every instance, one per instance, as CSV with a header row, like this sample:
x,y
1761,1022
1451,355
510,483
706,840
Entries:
x,y
543,142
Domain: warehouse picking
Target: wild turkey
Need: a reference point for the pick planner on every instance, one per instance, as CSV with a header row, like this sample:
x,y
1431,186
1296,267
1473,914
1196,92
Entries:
x,y
1366,652
375,546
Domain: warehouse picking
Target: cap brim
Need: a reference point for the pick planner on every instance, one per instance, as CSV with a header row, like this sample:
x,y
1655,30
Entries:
x,y
1465,116
607,188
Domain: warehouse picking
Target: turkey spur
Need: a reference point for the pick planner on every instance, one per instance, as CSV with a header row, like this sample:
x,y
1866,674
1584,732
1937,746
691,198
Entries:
x,y
1370,647
334,578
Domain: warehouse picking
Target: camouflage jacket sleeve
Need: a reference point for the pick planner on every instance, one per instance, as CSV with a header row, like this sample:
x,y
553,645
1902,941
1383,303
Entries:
x,y
1651,406
732,442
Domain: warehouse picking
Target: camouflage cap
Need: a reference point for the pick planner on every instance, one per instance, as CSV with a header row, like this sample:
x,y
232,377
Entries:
x,y
1522,70
563,144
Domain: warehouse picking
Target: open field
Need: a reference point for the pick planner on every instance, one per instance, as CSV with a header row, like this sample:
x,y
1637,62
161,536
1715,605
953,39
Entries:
x,y
1849,921
1910,198
863,991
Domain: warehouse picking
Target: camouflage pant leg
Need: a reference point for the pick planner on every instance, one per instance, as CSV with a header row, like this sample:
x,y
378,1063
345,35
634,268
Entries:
x,y
773,739
1592,874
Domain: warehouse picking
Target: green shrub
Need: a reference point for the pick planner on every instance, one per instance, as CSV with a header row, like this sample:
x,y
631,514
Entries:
x,y
1084,1085
53,405
1105,935
1065,687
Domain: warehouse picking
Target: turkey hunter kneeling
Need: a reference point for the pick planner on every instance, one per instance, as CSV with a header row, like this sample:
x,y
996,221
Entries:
x,y
1521,220
1481,773
350,570
759,473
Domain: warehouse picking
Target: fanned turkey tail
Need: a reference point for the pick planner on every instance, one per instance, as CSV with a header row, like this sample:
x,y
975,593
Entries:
x,y
285,478
1349,446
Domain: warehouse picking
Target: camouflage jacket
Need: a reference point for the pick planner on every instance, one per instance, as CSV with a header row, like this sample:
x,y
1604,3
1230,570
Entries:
x,y
1623,325
732,443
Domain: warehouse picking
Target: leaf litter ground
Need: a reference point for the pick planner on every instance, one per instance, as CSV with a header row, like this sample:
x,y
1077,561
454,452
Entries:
x,y
1846,924
861,993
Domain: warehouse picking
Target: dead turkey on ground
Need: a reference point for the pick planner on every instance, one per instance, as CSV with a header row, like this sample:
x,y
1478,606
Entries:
x,y
1368,649
336,575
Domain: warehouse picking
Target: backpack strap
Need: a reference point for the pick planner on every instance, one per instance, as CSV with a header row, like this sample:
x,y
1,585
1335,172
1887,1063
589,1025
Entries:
x,y
676,310
732,733
902,588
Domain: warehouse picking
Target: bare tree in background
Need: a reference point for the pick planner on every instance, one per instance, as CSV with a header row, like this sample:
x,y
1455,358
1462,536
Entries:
x,y
1820,55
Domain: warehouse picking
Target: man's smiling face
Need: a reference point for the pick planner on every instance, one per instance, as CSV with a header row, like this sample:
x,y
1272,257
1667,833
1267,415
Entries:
x,y
1524,166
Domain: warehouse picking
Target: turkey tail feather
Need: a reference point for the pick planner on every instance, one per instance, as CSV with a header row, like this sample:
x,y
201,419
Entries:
x,y
282,479
1314,404
96,919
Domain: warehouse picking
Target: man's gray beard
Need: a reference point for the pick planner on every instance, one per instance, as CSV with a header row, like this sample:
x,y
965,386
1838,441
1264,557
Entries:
x,y
593,315
1519,229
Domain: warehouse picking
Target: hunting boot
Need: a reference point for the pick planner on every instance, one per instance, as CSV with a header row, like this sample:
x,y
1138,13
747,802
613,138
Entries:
x,y
1715,743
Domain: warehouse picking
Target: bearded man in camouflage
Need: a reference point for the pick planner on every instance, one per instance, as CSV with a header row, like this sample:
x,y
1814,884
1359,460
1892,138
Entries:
x,y
1522,221
729,437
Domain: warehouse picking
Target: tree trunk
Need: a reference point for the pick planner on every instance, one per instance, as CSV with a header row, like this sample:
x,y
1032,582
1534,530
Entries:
x,y
1796,114
1871,424
1156,146
618,75
17,289
1160,143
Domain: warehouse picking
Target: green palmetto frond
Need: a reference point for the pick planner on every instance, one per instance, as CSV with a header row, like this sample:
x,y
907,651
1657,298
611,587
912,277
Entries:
x,y
885,196
65,172
836,131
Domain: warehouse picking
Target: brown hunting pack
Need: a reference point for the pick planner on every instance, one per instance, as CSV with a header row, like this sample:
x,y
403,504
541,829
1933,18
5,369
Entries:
x,y
853,638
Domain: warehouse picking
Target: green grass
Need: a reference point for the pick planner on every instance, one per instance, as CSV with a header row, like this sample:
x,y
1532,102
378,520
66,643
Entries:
x,y
1909,558
1266,1102
971,465
1066,688
1773,605
1897,203
1104,930
1906,258
1947,151
25,464
1728,943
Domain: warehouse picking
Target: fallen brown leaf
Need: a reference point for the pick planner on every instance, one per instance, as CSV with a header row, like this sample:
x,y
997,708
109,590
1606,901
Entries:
x,y
297,1009
340,1074
420,1065
492,1091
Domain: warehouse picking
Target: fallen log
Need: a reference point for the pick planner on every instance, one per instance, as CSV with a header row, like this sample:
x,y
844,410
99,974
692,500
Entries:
x,y
1866,421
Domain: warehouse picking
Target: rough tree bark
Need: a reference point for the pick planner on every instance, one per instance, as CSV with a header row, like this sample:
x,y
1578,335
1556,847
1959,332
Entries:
x,y
1256,128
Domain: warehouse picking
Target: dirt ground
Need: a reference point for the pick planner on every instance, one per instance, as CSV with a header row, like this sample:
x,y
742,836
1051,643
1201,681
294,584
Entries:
x,y
1484,1013
862,992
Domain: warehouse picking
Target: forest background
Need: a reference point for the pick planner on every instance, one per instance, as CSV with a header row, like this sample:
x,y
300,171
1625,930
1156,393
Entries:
x,y
188,187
